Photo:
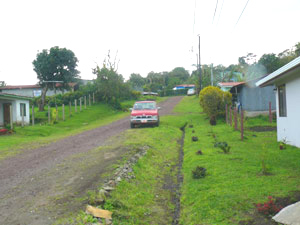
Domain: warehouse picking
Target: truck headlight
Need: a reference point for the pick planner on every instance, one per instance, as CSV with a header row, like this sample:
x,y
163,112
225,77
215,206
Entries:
x,y
133,117
154,117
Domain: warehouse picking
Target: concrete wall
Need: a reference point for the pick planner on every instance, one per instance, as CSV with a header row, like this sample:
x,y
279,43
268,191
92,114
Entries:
x,y
256,98
15,111
1,114
288,128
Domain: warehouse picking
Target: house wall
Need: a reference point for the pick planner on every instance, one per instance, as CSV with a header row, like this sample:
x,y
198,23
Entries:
x,y
288,128
255,99
1,113
15,111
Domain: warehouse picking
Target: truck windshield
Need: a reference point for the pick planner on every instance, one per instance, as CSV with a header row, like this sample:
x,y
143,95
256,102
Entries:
x,y
144,105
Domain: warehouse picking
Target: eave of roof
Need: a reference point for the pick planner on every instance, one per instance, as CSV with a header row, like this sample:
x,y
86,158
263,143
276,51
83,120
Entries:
x,y
15,96
230,84
271,78
9,87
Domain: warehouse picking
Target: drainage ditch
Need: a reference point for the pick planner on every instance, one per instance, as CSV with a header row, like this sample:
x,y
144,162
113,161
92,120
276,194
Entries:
x,y
179,176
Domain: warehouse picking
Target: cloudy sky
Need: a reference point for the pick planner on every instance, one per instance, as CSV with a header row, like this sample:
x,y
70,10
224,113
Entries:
x,y
149,35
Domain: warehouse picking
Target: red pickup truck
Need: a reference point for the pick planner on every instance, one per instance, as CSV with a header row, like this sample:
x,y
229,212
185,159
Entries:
x,y
144,112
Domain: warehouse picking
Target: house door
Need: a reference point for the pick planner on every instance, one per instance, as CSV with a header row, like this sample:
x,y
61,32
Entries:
x,y
6,108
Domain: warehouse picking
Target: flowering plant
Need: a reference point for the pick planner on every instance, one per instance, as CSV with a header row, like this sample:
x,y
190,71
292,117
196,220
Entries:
x,y
268,208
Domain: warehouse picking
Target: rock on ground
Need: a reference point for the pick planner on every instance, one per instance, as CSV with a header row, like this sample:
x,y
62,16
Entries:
x,y
289,215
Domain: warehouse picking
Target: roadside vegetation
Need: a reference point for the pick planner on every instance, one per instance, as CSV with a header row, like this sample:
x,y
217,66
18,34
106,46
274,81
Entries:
x,y
253,170
42,133
230,183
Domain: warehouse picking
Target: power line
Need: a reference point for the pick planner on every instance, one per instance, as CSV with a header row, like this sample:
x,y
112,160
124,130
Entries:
x,y
241,13
215,11
220,11
194,18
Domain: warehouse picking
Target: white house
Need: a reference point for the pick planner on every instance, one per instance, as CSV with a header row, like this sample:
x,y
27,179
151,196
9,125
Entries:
x,y
287,82
16,102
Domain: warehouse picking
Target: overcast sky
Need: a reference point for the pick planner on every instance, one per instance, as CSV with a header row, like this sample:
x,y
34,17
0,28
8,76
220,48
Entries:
x,y
156,35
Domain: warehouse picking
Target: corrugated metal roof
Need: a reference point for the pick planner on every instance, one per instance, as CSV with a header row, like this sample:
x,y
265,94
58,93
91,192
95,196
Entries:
x,y
14,96
277,73
185,85
8,87
230,84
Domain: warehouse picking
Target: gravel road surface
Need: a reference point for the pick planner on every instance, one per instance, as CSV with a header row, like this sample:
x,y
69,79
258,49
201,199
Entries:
x,y
41,185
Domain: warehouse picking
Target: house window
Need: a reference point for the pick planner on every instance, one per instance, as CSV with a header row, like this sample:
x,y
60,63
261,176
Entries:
x,y
282,101
22,105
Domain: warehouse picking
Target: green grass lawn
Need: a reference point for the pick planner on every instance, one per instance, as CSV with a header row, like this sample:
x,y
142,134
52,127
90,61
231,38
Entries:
x,y
42,133
234,181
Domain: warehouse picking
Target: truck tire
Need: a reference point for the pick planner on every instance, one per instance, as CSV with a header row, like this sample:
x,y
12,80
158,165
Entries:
x,y
131,125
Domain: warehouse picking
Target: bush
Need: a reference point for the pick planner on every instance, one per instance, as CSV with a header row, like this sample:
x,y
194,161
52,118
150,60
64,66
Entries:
x,y
223,145
199,172
213,101
268,208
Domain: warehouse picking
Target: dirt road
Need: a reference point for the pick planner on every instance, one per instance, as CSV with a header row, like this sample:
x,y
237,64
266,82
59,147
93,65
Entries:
x,y
41,185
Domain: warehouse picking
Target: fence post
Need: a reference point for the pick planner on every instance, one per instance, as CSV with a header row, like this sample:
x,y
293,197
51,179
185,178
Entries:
x,y
84,102
76,105
230,116
11,117
235,119
22,115
70,108
93,97
226,113
49,114
32,115
270,112
242,125
63,112
80,103
89,100
56,114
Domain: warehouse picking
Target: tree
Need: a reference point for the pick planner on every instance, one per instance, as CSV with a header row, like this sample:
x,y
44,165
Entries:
x,y
297,49
213,101
110,85
137,81
180,73
270,62
2,83
58,64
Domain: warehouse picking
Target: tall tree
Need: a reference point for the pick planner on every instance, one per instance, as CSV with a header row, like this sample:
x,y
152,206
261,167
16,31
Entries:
x,y
136,81
270,62
297,49
56,64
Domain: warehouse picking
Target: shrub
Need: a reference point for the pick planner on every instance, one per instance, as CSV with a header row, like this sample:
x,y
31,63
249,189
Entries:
x,y
199,172
223,145
213,101
268,208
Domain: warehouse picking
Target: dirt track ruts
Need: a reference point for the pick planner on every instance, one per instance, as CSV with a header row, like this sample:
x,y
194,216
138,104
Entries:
x,y
28,179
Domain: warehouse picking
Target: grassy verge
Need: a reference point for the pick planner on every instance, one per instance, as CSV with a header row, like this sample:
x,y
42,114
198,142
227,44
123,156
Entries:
x,y
234,181
33,136
147,199
43,133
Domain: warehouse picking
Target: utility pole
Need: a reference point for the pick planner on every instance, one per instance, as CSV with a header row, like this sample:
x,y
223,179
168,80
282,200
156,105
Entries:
x,y
212,75
200,71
